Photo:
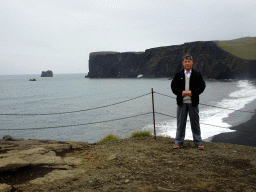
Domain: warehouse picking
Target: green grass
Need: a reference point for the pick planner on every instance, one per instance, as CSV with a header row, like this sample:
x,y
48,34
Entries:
x,y
112,137
141,134
244,48
109,137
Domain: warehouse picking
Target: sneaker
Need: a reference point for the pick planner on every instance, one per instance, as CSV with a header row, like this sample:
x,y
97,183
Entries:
x,y
176,146
200,147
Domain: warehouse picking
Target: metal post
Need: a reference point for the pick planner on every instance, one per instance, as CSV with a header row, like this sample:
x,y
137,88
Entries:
x,y
153,112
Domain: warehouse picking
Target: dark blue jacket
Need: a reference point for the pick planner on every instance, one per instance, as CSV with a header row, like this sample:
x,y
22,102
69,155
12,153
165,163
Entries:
x,y
196,85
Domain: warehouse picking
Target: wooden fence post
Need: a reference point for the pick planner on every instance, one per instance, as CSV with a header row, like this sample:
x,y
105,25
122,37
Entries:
x,y
153,113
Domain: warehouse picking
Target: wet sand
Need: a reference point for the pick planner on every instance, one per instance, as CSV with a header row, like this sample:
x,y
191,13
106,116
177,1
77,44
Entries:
x,y
244,124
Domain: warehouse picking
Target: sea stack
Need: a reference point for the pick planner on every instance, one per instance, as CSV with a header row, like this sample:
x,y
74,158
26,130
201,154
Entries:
x,y
47,73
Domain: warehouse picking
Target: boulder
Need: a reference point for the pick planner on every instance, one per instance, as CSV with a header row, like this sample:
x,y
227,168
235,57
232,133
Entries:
x,y
8,138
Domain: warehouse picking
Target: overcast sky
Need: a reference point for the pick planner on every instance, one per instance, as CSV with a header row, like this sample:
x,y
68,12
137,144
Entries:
x,y
58,35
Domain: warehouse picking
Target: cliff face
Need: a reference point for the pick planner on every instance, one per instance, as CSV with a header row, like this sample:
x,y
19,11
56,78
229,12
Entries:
x,y
104,65
209,59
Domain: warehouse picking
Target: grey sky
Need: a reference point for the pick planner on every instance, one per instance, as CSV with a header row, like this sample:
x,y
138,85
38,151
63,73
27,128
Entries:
x,y
58,35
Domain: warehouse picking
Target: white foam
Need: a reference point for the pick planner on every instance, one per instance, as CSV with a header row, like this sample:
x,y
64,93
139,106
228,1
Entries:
x,y
212,116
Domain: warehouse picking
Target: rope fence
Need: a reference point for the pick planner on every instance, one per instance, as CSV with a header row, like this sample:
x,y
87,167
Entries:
x,y
211,105
78,110
79,124
152,92
207,124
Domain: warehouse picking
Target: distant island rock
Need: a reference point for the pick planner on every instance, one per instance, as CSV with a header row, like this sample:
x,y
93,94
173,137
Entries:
x,y
213,59
47,73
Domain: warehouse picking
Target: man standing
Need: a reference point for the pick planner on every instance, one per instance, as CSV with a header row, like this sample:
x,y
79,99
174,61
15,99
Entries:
x,y
188,84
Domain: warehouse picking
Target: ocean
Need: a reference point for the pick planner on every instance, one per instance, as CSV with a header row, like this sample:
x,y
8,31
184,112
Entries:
x,y
21,102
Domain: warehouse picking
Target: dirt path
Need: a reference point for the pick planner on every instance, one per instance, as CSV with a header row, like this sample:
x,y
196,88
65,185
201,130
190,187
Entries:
x,y
143,164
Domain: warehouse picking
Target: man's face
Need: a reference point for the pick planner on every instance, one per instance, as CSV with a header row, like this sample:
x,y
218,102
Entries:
x,y
187,64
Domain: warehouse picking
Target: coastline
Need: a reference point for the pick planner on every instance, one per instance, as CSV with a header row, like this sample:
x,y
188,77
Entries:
x,y
245,133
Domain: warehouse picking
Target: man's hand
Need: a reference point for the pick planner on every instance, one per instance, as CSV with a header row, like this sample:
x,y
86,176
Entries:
x,y
189,93
184,93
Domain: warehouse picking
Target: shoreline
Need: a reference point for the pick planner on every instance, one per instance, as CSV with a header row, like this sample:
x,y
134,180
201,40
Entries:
x,y
245,133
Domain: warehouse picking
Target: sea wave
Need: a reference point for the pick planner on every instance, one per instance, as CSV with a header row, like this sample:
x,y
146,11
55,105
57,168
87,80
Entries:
x,y
209,116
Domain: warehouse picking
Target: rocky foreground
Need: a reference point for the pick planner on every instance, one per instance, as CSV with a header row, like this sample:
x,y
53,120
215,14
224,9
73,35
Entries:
x,y
138,164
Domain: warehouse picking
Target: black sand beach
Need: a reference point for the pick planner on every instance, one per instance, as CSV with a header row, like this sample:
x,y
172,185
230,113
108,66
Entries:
x,y
245,133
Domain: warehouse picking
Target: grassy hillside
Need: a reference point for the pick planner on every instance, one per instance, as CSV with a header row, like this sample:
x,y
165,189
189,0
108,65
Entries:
x,y
103,53
244,48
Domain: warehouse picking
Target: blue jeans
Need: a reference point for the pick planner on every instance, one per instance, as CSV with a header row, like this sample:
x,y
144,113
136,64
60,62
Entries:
x,y
182,113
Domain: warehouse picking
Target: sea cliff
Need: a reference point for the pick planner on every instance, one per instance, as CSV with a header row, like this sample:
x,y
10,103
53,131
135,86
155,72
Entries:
x,y
209,59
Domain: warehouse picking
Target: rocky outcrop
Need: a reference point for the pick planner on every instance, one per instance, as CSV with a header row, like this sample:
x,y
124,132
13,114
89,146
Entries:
x,y
134,164
20,153
209,59
8,138
47,73
16,154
